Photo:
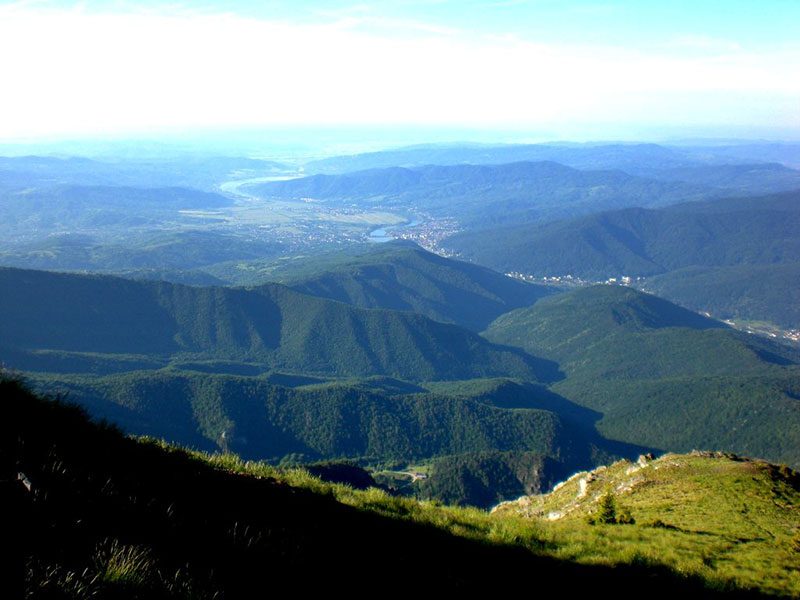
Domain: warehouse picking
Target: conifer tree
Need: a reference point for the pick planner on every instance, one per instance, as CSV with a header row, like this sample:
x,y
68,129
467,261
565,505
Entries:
x,y
608,509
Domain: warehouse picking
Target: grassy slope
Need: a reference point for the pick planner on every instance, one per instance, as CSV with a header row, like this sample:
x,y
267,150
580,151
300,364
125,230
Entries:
x,y
724,517
120,518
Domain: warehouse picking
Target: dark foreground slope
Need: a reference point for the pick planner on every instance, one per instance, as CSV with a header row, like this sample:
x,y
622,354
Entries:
x,y
111,517
70,323
662,375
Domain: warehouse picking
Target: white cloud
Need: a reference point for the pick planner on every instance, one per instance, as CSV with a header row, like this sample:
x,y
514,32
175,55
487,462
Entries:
x,y
704,42
73,72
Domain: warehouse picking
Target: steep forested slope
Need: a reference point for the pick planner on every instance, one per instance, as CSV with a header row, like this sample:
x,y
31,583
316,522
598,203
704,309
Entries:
x,y
639,241
49,316
662,375
403,276
260,420
753,292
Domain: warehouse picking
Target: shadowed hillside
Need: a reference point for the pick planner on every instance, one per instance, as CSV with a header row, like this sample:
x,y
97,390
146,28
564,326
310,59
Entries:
x,y
63,317
259,420
114,517
403,276
662,375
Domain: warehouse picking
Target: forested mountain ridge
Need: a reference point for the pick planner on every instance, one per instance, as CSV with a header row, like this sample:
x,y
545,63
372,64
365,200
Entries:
x,y
260,420
639,241
661,375
481,195
766,292
271,325
403,276
756,179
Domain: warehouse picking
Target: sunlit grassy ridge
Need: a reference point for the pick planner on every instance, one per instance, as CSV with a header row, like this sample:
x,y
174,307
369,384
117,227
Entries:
x,y
733,522
725,518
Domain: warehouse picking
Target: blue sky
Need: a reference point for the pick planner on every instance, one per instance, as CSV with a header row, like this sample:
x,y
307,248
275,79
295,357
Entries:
x,y
633,22
561,67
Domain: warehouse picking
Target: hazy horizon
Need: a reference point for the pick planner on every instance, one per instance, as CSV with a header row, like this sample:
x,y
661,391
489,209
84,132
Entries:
x,y
415,71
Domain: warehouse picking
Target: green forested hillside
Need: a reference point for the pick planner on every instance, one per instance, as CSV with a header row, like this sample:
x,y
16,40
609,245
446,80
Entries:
x,y
66,317
753,414
661,375
485,478
636,241
403,276
260,420
753,292
608,330
37,212
758,179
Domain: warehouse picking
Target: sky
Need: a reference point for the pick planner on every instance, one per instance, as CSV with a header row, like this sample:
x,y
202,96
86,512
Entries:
x,y
564,69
